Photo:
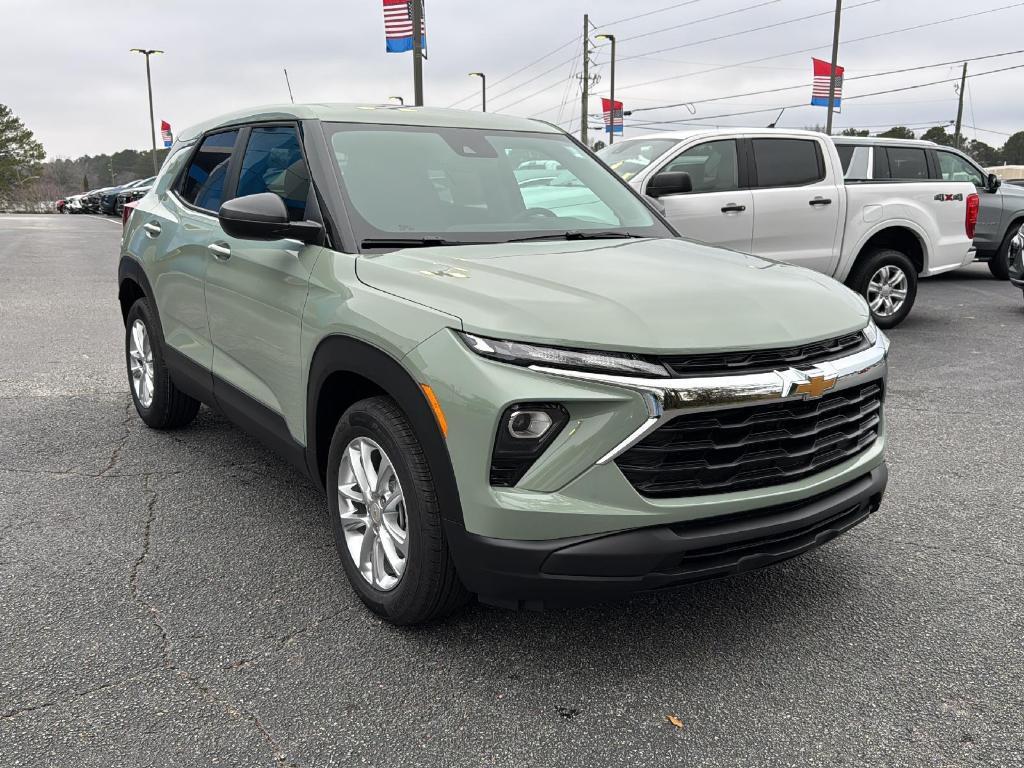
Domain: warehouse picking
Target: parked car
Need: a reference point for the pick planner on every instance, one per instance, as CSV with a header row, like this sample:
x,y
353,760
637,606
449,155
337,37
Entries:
x,y
1002,206
1015,257
74,204
108,200
501,396
780,194
91,200
1015,182
136,192
60,205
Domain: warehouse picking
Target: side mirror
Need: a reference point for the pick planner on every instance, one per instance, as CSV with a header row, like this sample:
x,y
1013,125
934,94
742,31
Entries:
x,y
265,217
669,183
992,182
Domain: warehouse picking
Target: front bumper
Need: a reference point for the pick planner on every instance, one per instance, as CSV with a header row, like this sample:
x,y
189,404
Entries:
x,y
1016,259
584,569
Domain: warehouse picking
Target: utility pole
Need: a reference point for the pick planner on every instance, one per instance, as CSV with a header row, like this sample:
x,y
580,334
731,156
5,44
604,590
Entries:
x,y
960,108
417,51
585,81
289,83
832,72
611,133
149,86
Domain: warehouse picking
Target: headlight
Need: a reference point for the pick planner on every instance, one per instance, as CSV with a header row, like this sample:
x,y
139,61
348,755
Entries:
x,y
872,333
519,353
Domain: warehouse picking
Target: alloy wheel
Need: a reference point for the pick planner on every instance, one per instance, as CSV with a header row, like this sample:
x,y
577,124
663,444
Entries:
x,y
887,291
140,355
373,513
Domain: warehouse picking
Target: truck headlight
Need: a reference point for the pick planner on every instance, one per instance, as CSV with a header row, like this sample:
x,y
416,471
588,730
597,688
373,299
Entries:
x,y
872,333
521,353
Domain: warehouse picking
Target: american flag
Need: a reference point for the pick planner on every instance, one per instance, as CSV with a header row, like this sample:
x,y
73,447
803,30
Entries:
x,y
398,25
606,108
165,133
819,91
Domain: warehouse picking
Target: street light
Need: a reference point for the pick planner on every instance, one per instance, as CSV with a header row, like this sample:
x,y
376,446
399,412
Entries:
x,y
483,87
149,85
611,39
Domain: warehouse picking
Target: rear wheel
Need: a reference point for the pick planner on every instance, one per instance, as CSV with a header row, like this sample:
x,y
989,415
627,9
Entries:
x,y
386,518
888,282
159,403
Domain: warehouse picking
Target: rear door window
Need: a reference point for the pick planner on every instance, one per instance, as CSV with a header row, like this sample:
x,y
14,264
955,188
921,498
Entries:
x,y
907,163
273,162
202,185
787,162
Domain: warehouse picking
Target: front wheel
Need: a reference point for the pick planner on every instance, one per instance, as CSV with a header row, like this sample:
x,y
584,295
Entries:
x,y
386,518
999,264
159,403
888,282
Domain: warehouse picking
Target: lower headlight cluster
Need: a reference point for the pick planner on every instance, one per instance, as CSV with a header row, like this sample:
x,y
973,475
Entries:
x,y
525,430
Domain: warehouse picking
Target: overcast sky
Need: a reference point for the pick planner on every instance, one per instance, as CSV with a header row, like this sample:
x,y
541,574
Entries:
x,y
66,71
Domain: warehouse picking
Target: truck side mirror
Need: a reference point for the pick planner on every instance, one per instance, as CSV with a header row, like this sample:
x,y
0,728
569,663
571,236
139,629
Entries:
x,y
992,182
669,183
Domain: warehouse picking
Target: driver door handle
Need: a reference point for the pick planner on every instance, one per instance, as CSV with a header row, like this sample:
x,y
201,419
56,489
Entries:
x,y
733,208
220,251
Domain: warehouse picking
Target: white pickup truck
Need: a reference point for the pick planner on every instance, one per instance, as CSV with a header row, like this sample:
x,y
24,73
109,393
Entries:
x,y
781,194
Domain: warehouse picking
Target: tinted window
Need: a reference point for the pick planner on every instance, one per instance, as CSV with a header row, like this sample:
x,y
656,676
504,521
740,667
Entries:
x,y
203,183
881,163
856,161
712,166
787,162
955,168
907,163
273,163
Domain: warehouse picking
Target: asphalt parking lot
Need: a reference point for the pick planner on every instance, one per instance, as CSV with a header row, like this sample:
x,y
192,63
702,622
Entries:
x,y
175,598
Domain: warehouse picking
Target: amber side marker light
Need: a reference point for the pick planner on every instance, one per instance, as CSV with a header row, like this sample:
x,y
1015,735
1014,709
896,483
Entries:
x,y
435,406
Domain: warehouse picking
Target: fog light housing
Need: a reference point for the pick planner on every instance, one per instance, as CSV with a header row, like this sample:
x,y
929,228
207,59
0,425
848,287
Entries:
x,y
524,432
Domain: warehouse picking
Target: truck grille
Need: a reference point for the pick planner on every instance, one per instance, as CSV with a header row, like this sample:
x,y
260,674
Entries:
x,y
727,363
743,448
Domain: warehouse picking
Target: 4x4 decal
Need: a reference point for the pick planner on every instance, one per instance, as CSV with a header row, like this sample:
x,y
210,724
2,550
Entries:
x,y
944,198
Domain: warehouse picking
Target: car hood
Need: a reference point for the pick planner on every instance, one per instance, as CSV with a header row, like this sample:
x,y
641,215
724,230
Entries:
x,y
650,295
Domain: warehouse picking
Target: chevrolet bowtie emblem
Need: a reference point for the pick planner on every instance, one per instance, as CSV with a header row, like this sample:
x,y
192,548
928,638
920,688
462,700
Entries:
x,y
815,386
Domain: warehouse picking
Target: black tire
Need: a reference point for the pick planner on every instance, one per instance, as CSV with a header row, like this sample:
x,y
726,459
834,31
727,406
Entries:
x,y
868,265
999,264
170,408
429,588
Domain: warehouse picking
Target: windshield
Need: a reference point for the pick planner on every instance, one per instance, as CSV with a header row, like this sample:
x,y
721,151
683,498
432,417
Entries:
x,y
628,158
477,185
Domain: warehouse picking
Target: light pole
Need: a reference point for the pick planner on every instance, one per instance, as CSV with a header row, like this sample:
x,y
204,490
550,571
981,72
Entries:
x,y
483,88
149,85
611,39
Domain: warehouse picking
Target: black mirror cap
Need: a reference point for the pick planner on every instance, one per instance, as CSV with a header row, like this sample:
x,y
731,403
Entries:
x,y
264,216
669,183
993,182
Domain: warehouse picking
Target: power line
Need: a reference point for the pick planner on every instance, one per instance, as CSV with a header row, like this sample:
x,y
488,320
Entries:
x,y
819,47
648,13
706,18
741,32
848,79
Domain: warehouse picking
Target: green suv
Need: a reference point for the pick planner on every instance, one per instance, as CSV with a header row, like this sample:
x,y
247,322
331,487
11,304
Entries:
x,y
522,387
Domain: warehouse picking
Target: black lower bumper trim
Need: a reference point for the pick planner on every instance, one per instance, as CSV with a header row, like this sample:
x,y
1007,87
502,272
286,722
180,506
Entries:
x,y
557,572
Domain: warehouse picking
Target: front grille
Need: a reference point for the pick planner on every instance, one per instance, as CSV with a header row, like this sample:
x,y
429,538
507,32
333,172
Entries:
x,y
755,447
728,363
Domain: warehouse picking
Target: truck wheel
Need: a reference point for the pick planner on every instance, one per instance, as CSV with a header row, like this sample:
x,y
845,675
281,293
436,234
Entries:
x,y
386,519
888,282
160,404
999,264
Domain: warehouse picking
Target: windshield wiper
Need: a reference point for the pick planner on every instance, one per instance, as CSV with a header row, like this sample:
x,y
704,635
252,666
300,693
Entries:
x,y
412,242
577,234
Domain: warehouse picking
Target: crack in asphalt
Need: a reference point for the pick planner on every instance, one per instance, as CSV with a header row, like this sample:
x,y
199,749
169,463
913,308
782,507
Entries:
x,y
12,713
167,646
126,426
288,638
965,552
